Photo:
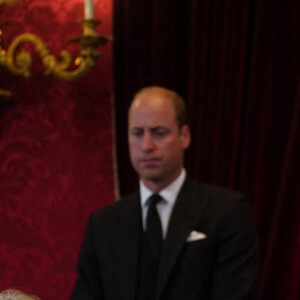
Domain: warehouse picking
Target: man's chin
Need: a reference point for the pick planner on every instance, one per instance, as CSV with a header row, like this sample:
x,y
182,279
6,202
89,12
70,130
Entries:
x,y
151,176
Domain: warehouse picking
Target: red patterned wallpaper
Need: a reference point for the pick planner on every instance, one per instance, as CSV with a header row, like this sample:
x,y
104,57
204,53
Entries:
x,y
55,151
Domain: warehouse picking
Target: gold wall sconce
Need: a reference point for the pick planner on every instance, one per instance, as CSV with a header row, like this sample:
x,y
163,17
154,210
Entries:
x,y
19,63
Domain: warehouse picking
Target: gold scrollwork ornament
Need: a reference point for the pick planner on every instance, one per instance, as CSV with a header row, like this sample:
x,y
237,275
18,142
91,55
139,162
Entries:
x,y
8,1
20,63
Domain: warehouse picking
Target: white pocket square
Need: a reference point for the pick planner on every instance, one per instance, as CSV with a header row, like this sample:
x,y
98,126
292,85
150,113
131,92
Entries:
x,y
196,236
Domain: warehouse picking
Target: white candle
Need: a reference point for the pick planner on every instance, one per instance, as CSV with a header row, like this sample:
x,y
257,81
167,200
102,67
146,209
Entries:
x,y
88,9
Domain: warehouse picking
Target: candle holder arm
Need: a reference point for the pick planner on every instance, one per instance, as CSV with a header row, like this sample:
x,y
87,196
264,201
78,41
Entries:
x,y
20,63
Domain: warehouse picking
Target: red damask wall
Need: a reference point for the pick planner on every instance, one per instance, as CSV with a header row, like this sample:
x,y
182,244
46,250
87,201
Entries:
x,y
56,163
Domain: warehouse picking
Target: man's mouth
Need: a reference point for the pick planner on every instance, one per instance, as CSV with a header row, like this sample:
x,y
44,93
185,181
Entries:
x,y
149,161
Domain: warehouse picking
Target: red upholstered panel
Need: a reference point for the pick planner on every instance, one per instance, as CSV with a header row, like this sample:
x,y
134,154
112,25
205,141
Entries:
x,y
56,162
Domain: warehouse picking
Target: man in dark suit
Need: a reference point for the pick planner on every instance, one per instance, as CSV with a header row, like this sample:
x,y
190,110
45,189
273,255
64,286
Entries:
x,y
174,238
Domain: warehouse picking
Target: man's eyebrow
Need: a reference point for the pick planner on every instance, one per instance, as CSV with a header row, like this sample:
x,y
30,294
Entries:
x,y
136,128
158,127
150,128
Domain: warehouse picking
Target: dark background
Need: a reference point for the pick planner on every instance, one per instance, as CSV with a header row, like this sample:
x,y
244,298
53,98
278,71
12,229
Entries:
x,y
237,65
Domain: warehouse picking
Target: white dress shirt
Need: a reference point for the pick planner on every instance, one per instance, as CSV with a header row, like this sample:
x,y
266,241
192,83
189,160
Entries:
x,y
165,206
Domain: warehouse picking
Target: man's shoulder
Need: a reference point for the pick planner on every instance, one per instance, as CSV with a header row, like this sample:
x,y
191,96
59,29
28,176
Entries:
x,y
213,193
215,190
118,208
215,202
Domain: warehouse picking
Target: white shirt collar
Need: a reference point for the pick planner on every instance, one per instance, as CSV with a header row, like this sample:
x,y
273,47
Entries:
x,y
169,193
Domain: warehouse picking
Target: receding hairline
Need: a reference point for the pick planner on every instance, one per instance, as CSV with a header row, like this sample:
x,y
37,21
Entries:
x,y
155,90
176,101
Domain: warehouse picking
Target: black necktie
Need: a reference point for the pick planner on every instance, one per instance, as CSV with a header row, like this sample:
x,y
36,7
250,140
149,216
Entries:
x,y
154,231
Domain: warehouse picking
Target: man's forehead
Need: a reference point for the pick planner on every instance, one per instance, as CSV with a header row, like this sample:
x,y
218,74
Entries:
x,y
151,107
151,111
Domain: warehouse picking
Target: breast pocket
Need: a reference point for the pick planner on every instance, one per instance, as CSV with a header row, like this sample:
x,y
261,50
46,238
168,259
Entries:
x,y
195,266
199,255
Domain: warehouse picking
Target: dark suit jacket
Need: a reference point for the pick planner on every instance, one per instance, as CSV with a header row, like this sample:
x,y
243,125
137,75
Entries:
x,y
223,266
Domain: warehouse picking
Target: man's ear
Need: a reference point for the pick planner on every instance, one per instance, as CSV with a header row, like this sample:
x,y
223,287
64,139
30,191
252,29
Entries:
x,y
185,135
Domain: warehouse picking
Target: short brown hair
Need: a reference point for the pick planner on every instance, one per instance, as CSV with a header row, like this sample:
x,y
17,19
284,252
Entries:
x,y
178,102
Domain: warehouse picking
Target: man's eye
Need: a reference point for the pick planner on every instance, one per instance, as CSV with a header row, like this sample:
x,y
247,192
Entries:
x,y
137,133
160,133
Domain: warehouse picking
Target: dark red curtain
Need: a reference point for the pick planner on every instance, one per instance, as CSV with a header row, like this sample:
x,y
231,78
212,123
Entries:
x,y
56,163
237,64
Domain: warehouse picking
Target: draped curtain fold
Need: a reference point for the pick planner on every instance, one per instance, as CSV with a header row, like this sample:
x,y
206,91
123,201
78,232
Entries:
x,y
237,65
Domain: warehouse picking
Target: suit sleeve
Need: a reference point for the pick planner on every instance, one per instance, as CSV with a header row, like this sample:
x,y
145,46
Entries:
x,y
88,284
235,275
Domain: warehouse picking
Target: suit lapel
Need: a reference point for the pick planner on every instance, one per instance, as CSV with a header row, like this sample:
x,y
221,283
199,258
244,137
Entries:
x,y
127,244
184,217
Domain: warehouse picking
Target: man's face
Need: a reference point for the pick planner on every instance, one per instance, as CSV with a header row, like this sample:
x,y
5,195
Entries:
x,y
156,144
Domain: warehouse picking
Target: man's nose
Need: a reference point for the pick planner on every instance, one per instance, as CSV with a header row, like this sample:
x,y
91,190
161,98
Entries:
x,y
147,142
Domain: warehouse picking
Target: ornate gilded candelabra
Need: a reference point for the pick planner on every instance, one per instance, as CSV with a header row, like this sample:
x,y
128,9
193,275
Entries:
x,y
19,63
